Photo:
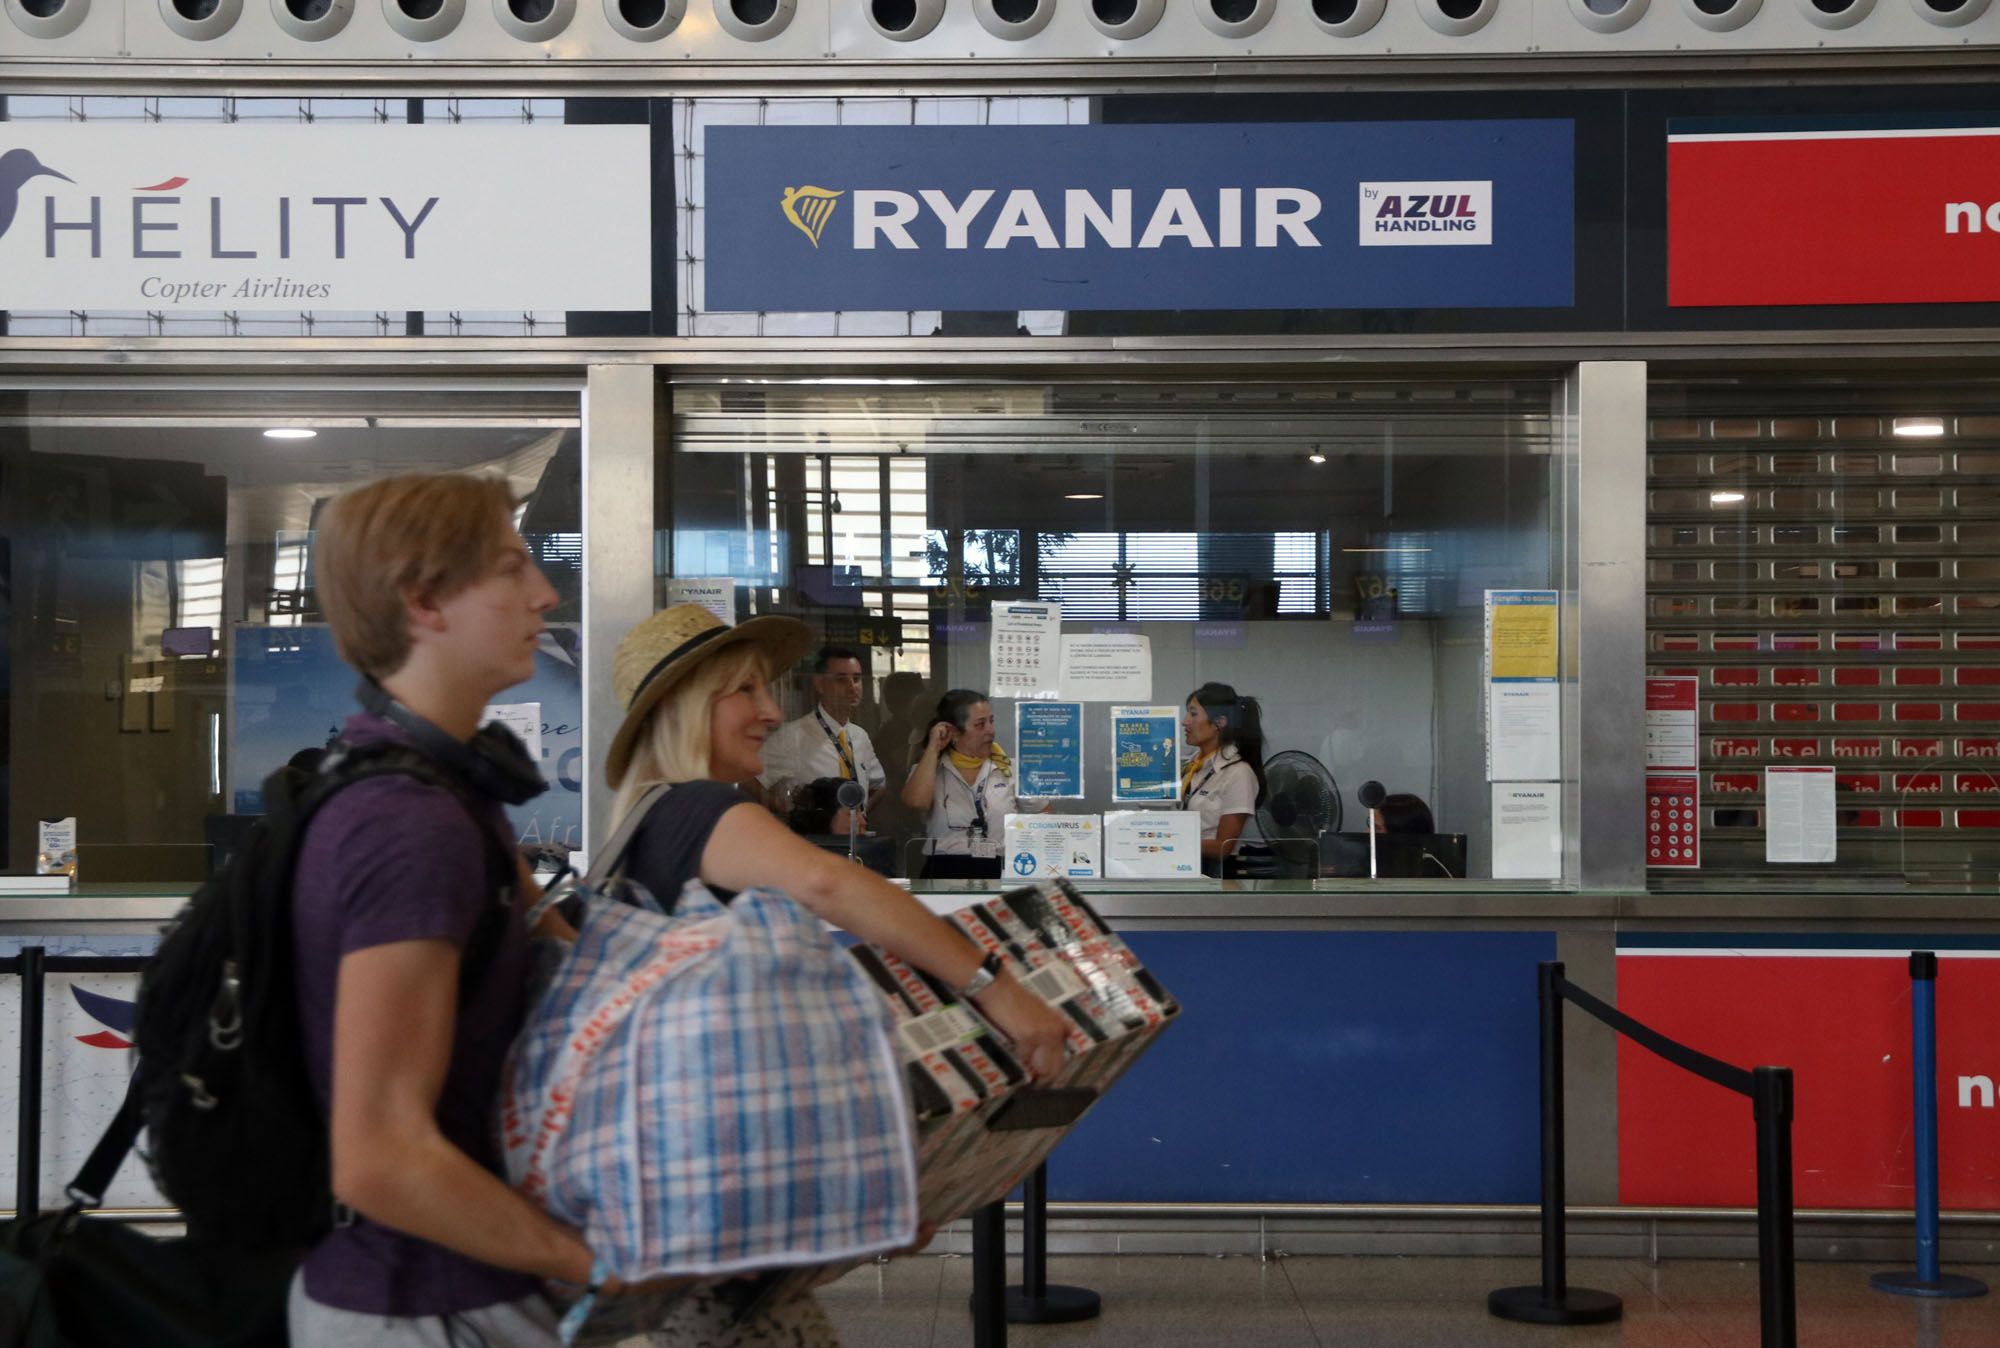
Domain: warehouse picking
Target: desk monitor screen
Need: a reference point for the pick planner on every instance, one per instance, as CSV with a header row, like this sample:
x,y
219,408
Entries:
x,y
1398,856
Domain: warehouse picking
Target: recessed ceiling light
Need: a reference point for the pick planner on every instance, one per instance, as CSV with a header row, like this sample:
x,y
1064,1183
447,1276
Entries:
x,y
290,433
1084,496
1724,497
1919,426
1315,457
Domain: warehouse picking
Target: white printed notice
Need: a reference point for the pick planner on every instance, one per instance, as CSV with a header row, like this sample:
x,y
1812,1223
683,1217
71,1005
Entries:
x,y
717,594
1116,667
1026,651
1527,831
525,720
1040,846
1798,815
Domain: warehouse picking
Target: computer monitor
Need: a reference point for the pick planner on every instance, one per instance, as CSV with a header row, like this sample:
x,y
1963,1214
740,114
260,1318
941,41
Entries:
x,y
1398,856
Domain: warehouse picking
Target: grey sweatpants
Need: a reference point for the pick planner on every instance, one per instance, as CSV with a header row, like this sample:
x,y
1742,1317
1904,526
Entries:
x,y
697,1321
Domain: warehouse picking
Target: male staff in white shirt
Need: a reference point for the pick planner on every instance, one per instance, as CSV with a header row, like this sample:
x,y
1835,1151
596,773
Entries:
x,y
825,742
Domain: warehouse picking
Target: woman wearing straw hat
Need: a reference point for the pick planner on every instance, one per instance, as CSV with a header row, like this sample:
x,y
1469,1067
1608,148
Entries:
x,y
697,714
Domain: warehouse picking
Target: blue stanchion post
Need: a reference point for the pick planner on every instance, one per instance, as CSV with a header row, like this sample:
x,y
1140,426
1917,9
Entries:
x,y
1928,1280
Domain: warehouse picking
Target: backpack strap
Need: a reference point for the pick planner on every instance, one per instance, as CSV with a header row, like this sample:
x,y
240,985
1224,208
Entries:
x,y
88,1188
347,764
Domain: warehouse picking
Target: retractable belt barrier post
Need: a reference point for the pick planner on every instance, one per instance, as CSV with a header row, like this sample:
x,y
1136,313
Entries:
x,y
1927,1281
1036,1301
34,964
28,1146
989,1275
1769,1088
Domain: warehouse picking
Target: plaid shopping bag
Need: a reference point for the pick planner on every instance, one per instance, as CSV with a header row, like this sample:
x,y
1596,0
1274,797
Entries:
x,y
712,1092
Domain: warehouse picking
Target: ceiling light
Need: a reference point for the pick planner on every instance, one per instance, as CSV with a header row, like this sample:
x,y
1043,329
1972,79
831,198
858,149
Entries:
x,y
1919,426
1315,457
1724,497
1385,549
290,433
1084,496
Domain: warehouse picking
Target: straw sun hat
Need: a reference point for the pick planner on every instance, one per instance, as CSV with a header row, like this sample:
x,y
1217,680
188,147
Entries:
x,y
658,654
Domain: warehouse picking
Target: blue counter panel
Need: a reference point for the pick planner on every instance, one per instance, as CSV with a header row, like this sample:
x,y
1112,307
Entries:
x,y
1325,1067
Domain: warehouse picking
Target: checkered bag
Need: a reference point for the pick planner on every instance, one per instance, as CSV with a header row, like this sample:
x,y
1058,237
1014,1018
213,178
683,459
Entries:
x,y
711,1092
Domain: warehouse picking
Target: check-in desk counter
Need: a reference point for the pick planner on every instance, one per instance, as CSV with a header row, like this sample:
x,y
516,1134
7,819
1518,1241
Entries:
x,y
1355,1048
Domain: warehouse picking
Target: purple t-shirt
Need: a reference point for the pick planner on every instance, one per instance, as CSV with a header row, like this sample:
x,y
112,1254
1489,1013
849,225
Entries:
x,y
395,860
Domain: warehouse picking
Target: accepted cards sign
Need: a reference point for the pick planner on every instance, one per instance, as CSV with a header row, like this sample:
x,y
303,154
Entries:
x,y
1473,214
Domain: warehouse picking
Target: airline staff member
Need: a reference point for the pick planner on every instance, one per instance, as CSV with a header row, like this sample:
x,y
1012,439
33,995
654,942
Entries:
x,y
966,782
826,742
1224,781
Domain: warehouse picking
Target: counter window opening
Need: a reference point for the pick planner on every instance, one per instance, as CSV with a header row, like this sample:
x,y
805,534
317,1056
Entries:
x,y
166,650
1088,557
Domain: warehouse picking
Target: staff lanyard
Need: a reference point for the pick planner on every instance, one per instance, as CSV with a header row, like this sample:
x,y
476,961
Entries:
x,y
1213,768
841,751
978,824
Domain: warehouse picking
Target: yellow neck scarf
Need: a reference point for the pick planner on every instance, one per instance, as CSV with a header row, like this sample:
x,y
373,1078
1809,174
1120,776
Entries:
x,y
1187,773
966,762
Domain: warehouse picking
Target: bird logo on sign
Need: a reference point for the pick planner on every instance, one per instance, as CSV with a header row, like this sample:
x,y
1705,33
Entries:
x,y
810,209
16,167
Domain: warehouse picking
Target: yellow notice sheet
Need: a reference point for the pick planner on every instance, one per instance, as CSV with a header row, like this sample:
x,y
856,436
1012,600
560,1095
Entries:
x,y
1524,635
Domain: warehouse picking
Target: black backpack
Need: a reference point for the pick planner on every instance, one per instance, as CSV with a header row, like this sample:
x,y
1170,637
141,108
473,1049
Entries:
x,y
235,1137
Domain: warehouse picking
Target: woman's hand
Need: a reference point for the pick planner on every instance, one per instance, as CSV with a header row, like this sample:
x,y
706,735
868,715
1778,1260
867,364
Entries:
x,y
1037,1031
940,736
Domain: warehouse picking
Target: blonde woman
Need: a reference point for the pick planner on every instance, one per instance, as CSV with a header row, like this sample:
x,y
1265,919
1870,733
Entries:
x,y
698,710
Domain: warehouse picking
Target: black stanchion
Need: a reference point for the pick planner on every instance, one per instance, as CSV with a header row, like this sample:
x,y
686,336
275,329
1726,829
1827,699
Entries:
x,y
1036,1301
989,1275
1777,1287
28,1145
1554,1301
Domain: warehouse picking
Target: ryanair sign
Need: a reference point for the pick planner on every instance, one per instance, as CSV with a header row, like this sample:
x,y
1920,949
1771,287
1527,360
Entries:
x,y
1259,216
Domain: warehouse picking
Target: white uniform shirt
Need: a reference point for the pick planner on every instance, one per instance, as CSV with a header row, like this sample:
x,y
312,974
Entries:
x,y
804,751
1225,785
956,806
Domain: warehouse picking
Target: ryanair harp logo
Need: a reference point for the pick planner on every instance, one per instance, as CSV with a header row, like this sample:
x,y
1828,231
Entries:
x,y
810,208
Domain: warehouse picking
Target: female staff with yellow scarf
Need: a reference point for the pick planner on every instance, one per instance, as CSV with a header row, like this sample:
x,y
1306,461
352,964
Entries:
x,y
967,783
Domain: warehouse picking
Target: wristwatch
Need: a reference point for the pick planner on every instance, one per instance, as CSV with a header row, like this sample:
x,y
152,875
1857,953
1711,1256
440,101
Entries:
x,y
982,977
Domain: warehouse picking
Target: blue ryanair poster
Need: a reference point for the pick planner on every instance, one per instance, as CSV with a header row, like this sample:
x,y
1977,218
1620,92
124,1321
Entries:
x,y
1309,215
290,690
1146,755
1048,750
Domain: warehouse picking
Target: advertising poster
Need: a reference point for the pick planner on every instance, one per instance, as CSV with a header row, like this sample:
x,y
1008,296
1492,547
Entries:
x,y
289,691
1042,846
1145,755
1048,750
1152,844
1835,1008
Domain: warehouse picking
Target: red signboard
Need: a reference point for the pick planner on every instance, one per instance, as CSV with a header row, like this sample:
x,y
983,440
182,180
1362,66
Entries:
x,y
1841,1022
1833,217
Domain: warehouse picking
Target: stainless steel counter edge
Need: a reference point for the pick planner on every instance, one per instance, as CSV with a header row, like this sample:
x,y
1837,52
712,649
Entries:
x,y
1210,908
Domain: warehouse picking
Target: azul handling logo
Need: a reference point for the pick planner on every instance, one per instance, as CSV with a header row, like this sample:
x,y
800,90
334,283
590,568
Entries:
x,y
1070,219
1426,213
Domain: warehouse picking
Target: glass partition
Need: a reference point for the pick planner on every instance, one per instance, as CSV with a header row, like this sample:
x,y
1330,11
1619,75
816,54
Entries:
x,y
1323,549
164,650
1824,559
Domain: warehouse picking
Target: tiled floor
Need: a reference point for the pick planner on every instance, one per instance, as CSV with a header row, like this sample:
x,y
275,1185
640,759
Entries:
x,y
1362,1302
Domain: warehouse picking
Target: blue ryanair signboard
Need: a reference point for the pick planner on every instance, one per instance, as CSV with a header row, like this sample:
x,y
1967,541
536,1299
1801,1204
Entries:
x,y
1315,215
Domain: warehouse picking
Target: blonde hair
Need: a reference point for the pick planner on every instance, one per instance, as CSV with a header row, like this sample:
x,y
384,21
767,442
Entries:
x,y
673,743
432,534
